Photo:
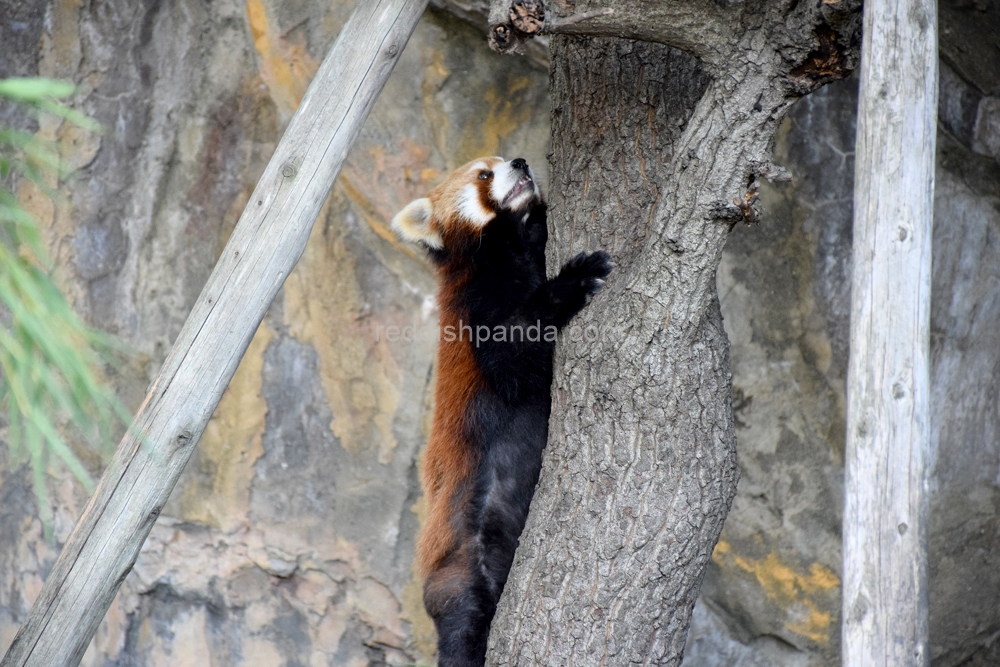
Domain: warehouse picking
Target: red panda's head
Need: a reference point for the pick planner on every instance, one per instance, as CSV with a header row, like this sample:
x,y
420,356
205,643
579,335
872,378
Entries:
x,y
469,199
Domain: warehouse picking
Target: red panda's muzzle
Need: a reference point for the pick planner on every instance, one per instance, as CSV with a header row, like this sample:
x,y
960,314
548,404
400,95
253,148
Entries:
x,y
523,184
517,176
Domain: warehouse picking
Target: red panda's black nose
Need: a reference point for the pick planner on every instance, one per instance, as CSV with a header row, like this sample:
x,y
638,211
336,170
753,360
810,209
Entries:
x,y
519,163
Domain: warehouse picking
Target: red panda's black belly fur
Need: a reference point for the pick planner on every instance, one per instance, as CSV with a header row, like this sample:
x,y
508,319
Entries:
x,y
494,439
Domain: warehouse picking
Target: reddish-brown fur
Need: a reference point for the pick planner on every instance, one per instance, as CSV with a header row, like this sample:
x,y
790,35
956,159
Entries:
x,y
485,231
450,458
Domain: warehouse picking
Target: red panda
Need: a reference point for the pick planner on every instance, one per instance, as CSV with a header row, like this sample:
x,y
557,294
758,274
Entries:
x,y
484,229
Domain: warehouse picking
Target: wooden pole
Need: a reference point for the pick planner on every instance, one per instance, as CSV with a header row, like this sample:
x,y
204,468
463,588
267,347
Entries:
x,y
887,449
264,247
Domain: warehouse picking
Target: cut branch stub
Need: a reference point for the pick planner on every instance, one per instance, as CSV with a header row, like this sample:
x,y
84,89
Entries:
x,y
524,19
527,16
830,61
502,39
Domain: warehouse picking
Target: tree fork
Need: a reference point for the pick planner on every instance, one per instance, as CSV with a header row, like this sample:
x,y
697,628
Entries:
x,y
655,157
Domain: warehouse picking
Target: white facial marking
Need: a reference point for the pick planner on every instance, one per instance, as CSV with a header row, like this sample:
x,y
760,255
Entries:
x,y
470,208
505,180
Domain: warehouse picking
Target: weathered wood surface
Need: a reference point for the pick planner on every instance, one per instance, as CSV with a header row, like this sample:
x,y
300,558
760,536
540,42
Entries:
x,y
265,245
887,453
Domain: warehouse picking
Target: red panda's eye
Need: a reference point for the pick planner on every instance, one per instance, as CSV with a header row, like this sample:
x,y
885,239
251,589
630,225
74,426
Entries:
x,y
485,175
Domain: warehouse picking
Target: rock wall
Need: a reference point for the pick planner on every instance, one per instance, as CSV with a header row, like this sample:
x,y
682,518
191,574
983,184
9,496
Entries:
x,y
772,594
784,287
289,539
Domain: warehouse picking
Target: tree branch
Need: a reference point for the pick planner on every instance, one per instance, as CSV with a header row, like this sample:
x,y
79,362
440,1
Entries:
x,y
705,29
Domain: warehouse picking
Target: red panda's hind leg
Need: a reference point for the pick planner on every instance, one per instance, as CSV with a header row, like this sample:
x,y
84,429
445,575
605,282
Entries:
x,y
462,605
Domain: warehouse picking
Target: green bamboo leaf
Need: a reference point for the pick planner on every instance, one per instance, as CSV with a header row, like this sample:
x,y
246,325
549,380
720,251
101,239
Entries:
x,y
19,383
31,172
49,357
60,449
13,429
38,481
17,138
72,115
34,89
21,228
42,154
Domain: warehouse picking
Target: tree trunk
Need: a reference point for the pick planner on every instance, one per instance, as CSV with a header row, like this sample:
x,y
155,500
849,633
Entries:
x,y
655,158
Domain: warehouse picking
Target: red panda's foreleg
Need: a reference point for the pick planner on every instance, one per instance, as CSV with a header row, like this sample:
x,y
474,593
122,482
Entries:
x,y
514,360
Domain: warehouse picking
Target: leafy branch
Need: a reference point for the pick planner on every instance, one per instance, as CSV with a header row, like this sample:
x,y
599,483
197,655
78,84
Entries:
x,y
49,357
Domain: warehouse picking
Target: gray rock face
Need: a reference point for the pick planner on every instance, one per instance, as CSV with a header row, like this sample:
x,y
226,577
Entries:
x,y
20,32
289,539
785,289
965,429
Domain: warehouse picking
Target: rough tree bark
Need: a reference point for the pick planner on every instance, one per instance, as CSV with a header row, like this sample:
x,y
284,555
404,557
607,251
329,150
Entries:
x,y
655,158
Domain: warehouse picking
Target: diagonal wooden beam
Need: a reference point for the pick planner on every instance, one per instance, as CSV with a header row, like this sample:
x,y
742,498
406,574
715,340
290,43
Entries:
x,y
265,246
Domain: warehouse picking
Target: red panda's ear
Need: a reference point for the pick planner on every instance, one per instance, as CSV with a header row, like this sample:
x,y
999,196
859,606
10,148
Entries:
x,y
413,224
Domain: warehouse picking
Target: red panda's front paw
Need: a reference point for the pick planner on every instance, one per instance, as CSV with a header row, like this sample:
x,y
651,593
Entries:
x,y
590,270
578,280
